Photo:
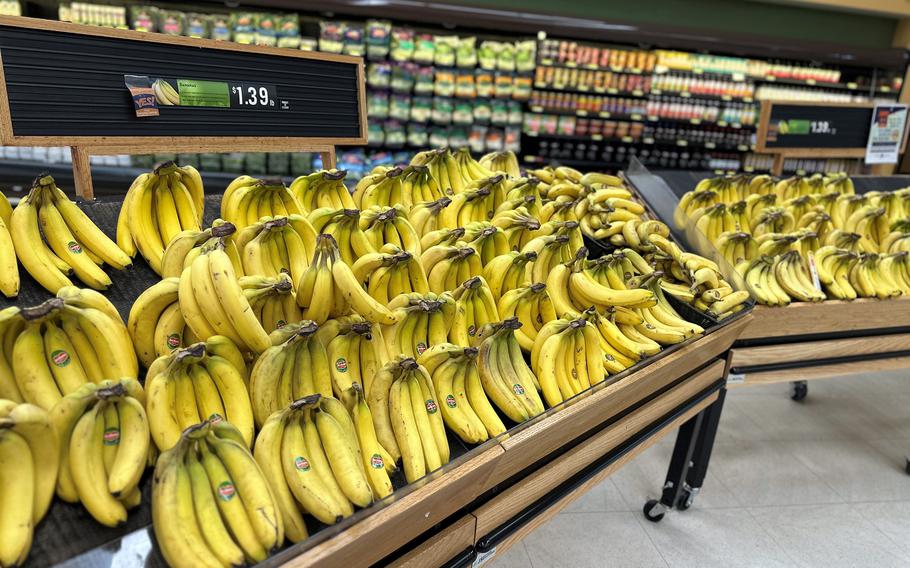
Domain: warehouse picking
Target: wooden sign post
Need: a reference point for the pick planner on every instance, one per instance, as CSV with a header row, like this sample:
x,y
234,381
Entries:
x,y
64,84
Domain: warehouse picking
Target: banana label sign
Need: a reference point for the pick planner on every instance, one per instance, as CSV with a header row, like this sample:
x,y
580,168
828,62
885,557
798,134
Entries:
x,y
226,491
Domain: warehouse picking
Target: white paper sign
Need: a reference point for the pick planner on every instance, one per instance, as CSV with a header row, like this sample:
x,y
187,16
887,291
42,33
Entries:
x,y
886,134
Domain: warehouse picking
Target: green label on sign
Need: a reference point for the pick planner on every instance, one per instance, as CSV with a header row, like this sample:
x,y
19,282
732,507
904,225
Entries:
x,y
203,93
793,126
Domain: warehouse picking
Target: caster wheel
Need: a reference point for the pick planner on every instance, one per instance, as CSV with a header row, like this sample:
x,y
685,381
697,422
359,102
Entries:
x,y
799,391
684,501
907,466
649,506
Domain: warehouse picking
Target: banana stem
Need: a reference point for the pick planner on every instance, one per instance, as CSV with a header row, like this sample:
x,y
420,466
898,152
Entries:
x,y
42,310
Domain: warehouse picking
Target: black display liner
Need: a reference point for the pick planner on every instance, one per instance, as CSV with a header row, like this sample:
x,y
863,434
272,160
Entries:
x,y
681,182
65,84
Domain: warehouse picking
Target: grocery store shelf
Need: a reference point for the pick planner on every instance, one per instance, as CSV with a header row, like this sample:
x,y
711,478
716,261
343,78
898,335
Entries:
x,y
589,114
702,122
592,67
560,88
700,97
646,141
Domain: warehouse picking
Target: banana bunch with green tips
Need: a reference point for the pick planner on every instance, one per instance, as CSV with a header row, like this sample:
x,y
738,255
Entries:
x,y
518,225
159,206
487,239
870,281
551,251
322,189
506,378
390,226
104,437
524,192
417,186
356,349
898,239
477,202
29,460
247,199
275,245
448,266
475,307
384,189
444,168
54,238
508,271
212,505
505,162
840,183
192,385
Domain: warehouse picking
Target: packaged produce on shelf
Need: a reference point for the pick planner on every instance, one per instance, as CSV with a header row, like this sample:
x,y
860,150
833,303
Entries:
x,y
804,238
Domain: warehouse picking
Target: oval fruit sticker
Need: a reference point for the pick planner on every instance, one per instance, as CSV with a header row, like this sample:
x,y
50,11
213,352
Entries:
x,y
301,463
518,389
226,491
215,418
74,247
342,365
376,461
60,358
112,437
173,340
431,406
450,401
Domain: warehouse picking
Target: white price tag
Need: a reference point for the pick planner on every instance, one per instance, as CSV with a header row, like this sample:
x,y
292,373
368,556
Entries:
x,y
483,557
736,378
814,272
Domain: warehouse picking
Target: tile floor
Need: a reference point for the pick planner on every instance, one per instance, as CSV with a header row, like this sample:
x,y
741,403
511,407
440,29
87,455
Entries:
x,y
817,483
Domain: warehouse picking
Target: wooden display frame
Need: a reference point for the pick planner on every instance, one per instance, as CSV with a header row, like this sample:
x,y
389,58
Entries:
x,y
781,154
82,147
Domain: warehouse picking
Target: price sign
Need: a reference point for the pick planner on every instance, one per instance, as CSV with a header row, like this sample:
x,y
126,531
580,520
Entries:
x,y
248,95
807,129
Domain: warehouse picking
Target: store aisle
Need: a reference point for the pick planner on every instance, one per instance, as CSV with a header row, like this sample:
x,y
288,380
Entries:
x,y
817,483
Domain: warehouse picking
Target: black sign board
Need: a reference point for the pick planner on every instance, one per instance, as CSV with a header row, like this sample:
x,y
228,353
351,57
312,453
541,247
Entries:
x,y
64,84
814,129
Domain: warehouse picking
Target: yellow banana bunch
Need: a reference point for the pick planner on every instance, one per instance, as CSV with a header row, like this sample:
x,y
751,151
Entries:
x,y
9,270
661,322
272,299
692,201
276,245
621,343
444,169
212,504
870,281
355,355
562,209
532,306
406,417
762,281
447,266
573,289
212,301
329,288
29,460
871,224
157,207
844,240
487,239
844,206
508,272
425,216
524,191
66,342
390,226
506,378
74,244
793,276
472,204
192,385
156,323
418,186
898,238
297,365
446,237
322,189
796,186
465,408
737,246
104,439
475,307
570,359
471,169
817,221
841,184
504,162
896,266
518,225
11,325
320,461
833,265
187,245
384,190
571,229
551,250
423,321
344,225
247,199
400,273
